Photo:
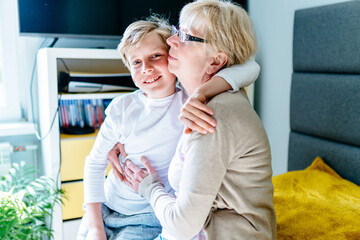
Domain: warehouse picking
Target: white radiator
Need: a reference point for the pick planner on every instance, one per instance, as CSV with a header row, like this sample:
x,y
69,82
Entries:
x,y
7,151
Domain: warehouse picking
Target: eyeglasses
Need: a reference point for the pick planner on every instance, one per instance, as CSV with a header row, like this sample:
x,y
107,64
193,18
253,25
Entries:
x,y
184,36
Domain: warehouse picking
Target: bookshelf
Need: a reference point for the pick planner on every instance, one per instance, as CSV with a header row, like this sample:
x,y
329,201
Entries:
x,y
63,155
71,96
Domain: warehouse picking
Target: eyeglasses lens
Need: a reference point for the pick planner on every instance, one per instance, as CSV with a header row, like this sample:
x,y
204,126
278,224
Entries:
x,y
178,33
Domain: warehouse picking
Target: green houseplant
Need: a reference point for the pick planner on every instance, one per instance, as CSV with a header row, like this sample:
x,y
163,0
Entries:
x,y
26,203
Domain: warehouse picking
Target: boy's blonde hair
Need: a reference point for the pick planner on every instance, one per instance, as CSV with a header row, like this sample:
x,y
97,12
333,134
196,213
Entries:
x,y
136,31
226,25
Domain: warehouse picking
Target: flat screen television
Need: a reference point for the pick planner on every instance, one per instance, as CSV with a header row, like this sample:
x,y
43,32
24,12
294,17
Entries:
x,y
91,18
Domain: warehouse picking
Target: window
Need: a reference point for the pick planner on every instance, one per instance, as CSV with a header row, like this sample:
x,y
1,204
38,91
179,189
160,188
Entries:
x,y
10,110
2,87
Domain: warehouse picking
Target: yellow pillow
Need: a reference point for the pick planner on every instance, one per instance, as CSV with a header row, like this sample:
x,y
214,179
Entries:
x,y
316,203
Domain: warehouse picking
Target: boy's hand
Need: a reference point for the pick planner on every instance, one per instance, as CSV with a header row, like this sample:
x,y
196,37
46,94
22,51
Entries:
x,y
134,174
114,160
96,234
196,116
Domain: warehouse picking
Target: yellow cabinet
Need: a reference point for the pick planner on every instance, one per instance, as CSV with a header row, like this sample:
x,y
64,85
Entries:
x,y
74,149
74,193
73,154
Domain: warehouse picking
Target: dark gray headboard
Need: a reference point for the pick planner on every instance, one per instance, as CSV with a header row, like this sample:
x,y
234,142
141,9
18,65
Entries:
x,y
325,89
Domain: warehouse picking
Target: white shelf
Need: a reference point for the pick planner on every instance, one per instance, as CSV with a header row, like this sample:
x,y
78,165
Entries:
x,y
16,129
91,95
71,228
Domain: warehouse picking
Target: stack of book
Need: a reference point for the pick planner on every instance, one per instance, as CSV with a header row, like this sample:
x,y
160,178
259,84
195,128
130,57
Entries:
x,y
82,113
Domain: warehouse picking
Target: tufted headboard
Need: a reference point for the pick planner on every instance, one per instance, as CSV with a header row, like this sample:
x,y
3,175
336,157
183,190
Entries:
x,y
325,89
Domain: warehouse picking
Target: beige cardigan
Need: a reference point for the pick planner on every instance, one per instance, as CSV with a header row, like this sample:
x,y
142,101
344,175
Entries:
x,y
226,182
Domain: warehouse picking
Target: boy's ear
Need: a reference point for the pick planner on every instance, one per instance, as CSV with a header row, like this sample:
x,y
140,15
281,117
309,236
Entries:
x,y
219,60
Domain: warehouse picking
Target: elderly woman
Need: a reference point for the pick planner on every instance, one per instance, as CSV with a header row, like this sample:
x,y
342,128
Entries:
x,y
222,180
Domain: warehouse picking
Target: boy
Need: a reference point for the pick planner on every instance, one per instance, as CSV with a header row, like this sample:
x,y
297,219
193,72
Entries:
x,y
146,122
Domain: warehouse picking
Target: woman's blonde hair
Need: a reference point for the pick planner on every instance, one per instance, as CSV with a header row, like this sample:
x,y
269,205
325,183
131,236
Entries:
x,y
136,31
226,27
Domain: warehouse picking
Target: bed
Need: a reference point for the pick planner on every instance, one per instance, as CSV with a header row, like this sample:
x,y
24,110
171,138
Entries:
x,y
319,198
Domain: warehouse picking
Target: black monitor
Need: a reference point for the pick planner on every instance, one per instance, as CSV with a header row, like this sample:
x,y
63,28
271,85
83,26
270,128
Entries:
x,y
91,18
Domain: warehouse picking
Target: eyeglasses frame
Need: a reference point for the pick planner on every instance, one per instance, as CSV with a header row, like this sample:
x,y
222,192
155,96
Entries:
x,y
184,36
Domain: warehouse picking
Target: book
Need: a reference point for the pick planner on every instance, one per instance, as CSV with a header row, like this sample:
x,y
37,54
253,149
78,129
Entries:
x,y
82,116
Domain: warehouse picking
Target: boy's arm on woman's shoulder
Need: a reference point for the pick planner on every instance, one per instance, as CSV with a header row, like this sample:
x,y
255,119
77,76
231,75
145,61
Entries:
x,y
239,76
195,115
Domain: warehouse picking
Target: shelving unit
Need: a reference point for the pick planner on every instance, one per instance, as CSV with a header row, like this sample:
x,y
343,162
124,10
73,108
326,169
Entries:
x,y
63,155
71,96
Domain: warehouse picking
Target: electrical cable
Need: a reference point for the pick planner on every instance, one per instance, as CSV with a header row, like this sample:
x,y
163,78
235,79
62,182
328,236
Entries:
x,y
37,131
65,66
53,42
33,115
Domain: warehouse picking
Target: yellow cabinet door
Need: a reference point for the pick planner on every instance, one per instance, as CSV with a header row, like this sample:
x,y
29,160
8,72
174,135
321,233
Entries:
x,y
72,208
73,153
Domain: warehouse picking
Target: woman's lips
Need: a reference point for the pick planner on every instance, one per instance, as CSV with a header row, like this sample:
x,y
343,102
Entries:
x,y
171,57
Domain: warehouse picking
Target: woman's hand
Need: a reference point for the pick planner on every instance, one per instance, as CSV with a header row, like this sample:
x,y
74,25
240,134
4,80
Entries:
x,y
196,116
114,160
134,174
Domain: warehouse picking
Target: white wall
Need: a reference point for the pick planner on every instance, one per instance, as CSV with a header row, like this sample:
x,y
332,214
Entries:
x,y
273,21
